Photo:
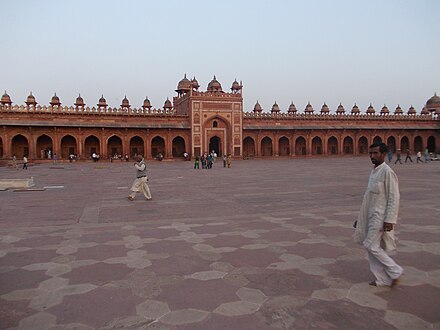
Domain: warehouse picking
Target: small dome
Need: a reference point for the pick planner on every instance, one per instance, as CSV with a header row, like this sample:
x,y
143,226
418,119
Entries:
x,y
184,85
411,111
275,108
79,101
355,110
147,103
195,83
370,109
424,111
236,86
214,86
384,110
398,110
167,105
309,108
324,108
102,103
6,99
31,100
340,109
292,108
125,103
55,100
257,107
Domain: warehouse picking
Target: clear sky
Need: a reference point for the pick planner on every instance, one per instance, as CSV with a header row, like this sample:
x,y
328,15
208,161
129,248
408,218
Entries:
x,y
378,51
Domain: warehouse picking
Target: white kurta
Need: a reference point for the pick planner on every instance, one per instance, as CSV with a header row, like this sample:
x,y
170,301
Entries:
x,y
380,204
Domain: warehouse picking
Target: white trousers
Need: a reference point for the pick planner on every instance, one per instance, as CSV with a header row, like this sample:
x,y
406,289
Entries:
x,y
384,268
140,184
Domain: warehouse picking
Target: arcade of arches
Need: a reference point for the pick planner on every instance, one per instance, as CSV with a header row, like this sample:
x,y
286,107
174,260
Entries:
x,y
253,145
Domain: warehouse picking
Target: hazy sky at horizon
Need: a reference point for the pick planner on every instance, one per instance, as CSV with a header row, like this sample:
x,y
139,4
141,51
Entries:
x,y
378,51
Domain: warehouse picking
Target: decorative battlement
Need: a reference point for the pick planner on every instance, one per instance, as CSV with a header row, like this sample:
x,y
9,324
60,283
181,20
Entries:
x,y
328,116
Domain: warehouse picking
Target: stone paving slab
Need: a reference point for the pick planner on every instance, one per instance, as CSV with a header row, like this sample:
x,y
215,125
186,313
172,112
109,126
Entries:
x,y
266,244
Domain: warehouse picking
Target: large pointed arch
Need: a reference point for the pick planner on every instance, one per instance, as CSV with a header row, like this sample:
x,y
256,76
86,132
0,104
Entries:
x,y
248,147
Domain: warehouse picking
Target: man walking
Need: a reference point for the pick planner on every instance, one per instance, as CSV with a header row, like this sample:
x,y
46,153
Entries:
x,y
378,215
408,155
140,183
398,155
25,162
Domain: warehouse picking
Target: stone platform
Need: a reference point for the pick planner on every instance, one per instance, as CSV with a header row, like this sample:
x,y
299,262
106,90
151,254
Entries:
x,y
266,244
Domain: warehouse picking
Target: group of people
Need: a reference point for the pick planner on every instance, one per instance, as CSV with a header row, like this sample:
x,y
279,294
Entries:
x,y
208,160
408,156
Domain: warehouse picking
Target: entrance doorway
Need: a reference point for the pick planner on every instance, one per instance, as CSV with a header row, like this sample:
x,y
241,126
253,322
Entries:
x,y
215,144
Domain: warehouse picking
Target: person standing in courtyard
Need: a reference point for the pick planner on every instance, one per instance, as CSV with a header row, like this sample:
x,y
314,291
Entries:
x,y
229,160
390,156
426,155
14,161
25,162
140,183
408,156
419,157
398,155
377,218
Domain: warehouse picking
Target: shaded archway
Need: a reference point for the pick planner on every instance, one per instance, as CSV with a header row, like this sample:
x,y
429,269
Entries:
x,y
91,145
114,146
157,147
215,144
418,144
404,143
377,139
348,145
363,145
284,146
136,146
316,146
266,147
300,146
178,146
391,144
68,146
248,147
44,147
332,146
431,144
20,146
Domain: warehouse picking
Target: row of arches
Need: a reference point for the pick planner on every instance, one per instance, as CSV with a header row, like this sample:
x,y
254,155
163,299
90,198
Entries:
x,y
331,146
46,148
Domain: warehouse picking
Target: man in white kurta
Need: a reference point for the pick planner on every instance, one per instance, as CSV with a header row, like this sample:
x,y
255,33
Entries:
x,y
140,183
377,218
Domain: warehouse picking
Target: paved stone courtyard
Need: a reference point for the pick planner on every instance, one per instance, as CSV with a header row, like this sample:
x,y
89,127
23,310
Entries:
x,y
266,244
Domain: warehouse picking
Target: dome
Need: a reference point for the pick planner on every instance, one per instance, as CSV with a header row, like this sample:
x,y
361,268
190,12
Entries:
x,y
79,101
55,100
147,103
370,109
236,86
125,103
195,83
309,108
411,111
184,85
6,99
257,107
398,110
433,104
275,108
324,108
214,86
102,103
340,109
31,100
355,110
292,108
424,111
384,110
167,105
435,100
